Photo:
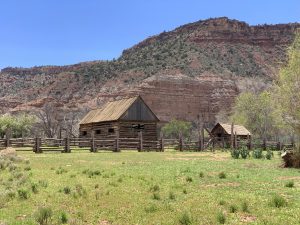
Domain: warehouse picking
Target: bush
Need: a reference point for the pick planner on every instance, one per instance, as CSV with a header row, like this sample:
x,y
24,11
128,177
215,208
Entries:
x,y
67,190
63,218
34,188
232,208
289,184
27,168
257,153
185,219
201,174
222,202
278,201
43,183
151,209
155,188
235,153
61,171
189,179
172,195
23,194
184,191
156,196
244,152
80,191
11,194
269,154
245,207
222,175
221,218
43,215
3,164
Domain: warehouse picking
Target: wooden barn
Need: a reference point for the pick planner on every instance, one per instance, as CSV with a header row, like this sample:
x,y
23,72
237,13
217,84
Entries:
x,y
123,118
223,131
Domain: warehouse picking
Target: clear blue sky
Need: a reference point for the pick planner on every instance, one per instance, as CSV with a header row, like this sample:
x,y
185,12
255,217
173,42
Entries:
x,y
60,32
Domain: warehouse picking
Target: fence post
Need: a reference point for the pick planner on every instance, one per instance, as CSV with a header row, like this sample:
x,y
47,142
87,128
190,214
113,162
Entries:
x,y
67,145
264,144
37,146
249,142
199,144
180,144
278,146
235,141
232,137
140,147
162,145
7,142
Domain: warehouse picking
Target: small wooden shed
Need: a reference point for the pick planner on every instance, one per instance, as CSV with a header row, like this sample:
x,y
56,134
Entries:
x,y
222,130
123,118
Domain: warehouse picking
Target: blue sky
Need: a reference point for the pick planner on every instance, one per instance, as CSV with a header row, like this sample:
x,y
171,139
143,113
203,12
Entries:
x,y
60,32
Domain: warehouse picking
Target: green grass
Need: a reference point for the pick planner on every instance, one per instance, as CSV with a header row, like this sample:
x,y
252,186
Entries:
x,y
148,188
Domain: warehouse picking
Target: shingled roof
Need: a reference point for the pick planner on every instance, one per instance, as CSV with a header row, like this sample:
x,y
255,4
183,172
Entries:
x,y
238,129
111,111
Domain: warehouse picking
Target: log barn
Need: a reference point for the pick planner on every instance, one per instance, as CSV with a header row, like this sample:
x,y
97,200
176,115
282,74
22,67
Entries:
x,y
124,118
222,130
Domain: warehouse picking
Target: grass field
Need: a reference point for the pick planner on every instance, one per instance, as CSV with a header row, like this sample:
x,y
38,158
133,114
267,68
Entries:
x,y
149,188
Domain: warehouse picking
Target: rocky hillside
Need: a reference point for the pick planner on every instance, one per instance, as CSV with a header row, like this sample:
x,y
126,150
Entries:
x,y
198,67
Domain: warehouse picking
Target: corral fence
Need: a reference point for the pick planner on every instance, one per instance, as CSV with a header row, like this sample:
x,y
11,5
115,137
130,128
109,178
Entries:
x,y
66,145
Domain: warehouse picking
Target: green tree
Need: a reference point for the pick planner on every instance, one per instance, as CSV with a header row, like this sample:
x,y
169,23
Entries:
x,y
7,124
23,124
259,113
15,125
176,129
288,87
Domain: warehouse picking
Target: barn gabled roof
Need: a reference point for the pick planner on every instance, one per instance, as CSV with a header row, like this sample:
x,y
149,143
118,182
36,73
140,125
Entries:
x,y
238,129
111,111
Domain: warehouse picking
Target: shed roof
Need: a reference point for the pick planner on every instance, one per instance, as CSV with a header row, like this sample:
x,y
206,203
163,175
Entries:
x,y
111,111
238,129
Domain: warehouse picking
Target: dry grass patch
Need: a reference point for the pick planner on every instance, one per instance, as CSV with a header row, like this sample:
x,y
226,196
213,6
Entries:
x,y
227,184
289,178
247,218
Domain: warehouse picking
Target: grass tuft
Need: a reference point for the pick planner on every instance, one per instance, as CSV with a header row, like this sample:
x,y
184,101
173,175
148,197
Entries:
x,y
185,219
290,184
222,175
278,201
233,208
221,219
43,216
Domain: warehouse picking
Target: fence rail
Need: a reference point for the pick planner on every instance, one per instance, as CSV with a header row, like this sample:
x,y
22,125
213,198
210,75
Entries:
x,y
66,145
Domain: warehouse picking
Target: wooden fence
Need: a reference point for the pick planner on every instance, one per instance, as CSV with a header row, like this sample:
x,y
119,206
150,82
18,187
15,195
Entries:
x,y
66,145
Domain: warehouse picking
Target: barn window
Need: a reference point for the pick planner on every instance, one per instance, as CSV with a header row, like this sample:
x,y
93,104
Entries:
x,y
98,131
84,133
111,130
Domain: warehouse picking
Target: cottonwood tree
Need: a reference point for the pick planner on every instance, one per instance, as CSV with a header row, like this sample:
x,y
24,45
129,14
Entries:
x,y
177,129
23,124
259,113
288,87
16,125
7,123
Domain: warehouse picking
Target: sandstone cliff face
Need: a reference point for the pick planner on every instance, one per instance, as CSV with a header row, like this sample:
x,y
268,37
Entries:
x,y
197,68
185,98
